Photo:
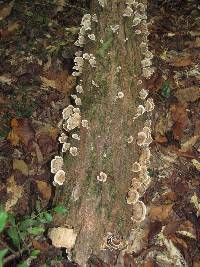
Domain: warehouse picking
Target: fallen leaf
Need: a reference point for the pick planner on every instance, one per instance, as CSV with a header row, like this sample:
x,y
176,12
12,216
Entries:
x,y
188,145
196,163
181,61
5,10
178,241
190,94
21,166
129,261
60,81
15,193
46,143
147,263
160,213
42,246
44,189
22,131
180,118
12,27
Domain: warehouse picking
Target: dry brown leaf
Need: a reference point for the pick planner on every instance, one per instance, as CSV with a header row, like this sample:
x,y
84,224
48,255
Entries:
x,y
21,166
44,189
147,263
15,192
181,61
42,246
187,146
176,240
196,264
22,131
60,81
180,119
5,10
160,213
190,94
46,143
12,28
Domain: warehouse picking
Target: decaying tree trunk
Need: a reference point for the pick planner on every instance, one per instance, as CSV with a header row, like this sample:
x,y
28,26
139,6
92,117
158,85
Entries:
x,y
98,208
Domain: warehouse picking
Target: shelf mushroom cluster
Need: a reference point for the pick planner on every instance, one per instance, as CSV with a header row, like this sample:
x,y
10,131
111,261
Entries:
x,y
71,115
72,119
141,179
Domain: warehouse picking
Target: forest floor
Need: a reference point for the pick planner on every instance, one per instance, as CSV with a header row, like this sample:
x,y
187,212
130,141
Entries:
x,y
36,50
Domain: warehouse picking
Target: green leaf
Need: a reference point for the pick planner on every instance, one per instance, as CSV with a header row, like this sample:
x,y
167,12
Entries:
x,y
165,89
35,230
60,209
48,217
35,252
23,264
14,236
3,252
3,219
11,219
27,223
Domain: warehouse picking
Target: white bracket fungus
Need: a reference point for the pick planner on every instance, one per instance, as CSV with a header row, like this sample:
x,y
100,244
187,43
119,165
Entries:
x,y
102,177
62,237
59,177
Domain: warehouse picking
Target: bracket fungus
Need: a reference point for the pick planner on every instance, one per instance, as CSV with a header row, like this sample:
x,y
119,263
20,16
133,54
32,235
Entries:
x,y
62,237
138,211
102,177
59,177
132,196
56,164
136,167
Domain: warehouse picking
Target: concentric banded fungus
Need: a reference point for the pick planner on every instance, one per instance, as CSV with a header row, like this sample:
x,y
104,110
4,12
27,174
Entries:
x,y
65,147
79,89
149,105
128,12
62,237
136,167
120,95
67,112
73,151
85,124
141,138
63,138
132,196
56,164
76,136
135,184
92,37
73,122
59,177
139,211
102,177
140,110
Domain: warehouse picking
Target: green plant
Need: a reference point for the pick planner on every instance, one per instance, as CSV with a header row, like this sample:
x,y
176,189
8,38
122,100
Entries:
x,y
20,232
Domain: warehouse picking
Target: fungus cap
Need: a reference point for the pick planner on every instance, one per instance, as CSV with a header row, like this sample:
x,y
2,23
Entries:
x,y
139,211
73,151
132,196
62,237
59,177
141,138
135,184
56,164
136,167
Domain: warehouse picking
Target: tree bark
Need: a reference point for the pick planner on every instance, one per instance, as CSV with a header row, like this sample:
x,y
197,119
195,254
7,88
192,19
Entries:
x,y
96,208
